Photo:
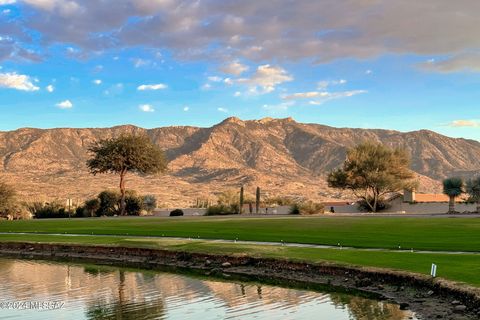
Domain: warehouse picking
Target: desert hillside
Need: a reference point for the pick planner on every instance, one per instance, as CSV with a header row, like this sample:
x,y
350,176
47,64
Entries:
x,y
282,156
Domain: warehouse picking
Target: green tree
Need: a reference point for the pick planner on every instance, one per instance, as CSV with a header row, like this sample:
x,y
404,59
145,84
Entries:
x,y
7,198
126,153
372,171
473,190
453,187
109,201
92,206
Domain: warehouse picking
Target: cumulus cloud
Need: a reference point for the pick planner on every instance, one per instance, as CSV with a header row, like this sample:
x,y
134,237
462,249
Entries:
x,y
5,2
223,110
146,108
186,108
234,68
158,86
50,88
320,97
464,123
97,82
66,104
17,81
266,78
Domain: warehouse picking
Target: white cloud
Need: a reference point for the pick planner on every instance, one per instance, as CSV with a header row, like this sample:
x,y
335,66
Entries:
x,y
235,68
326,83
67,104
206,86
320,97
237,94
139,63
5,2
186,108
266,78
368,71
17,81
464,123
158,86
224,110
50,88
146,108
278,107
215,79
228,81
97,81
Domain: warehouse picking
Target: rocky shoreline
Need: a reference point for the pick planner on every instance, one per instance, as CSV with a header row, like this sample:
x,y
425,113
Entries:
x,y
428,298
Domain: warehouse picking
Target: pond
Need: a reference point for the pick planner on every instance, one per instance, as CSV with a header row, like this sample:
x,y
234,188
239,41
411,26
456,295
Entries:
x,y
52,290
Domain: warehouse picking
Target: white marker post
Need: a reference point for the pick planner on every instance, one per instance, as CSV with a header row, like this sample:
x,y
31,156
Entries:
x,y
433,271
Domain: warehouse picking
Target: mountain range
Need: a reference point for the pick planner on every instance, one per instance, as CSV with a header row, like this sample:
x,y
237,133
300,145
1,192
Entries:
x,y
281,156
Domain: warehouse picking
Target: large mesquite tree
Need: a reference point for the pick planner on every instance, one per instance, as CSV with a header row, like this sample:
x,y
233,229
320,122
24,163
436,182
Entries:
x,y
372,171
126,153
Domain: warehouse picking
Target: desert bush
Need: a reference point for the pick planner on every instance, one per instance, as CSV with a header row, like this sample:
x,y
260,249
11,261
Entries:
x,y
280,201
109,203
133,203
382,205
222,209
149,203
8,199
307,208
48,210
295,209
176,213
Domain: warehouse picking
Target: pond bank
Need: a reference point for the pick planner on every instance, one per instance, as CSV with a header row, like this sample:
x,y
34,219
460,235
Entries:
x,y
429,298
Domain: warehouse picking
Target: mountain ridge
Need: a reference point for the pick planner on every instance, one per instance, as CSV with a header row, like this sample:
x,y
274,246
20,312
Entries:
x,y
283,156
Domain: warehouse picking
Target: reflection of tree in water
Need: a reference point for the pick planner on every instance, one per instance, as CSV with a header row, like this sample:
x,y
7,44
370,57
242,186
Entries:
x,y
125,310
367,309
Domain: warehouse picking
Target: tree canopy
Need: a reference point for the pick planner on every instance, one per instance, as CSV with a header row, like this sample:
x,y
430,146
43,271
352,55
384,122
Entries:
x,y
126,153
372,171
7,198
453,187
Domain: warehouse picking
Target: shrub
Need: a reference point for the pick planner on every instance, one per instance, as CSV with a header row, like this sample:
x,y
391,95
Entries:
x,y
133,203
307,208
310,207
149,203
48,210
176,213
222,209
109,203
295,209
381,206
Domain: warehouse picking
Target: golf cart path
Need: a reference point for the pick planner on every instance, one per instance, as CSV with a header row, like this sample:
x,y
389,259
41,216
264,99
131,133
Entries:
x,y
248,242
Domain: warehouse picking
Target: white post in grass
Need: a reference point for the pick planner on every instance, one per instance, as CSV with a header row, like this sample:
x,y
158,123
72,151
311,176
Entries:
x,y
433,271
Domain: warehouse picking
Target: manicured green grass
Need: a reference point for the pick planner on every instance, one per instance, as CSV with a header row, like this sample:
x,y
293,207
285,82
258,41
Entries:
x,y
420,233
457,267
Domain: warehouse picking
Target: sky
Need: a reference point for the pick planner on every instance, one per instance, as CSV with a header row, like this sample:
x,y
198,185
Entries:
x,y
401,65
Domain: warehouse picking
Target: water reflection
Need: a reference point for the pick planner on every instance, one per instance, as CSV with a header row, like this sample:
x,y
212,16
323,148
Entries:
x,y
94,292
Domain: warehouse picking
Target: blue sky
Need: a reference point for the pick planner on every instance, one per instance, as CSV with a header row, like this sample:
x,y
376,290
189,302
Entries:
x,y
346,63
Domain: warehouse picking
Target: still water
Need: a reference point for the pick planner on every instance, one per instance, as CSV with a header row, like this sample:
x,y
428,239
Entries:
x,y
51,290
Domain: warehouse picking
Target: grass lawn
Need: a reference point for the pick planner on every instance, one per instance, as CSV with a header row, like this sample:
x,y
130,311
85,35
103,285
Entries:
x,y
459,267
419,233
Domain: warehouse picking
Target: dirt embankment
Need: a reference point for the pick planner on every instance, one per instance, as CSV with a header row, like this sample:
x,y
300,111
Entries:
x,y
429,298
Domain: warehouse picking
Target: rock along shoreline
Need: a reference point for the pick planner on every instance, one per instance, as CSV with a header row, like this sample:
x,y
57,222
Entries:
x,y
428,298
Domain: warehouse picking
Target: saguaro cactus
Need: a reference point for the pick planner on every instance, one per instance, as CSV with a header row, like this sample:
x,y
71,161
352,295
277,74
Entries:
x,y
241,200
257,201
